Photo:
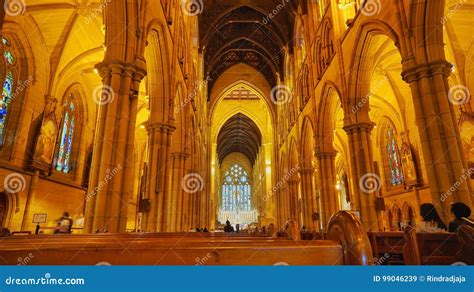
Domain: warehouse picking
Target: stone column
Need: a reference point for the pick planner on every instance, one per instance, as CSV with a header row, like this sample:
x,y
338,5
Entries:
x,y
308,198
364,183
110,184
327,180
293,201
441,144
175,212
285,204
159,139
187,197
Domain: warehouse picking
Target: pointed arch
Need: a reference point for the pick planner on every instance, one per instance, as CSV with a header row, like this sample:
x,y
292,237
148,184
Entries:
x,y
362,65
157,55
307,144
330,102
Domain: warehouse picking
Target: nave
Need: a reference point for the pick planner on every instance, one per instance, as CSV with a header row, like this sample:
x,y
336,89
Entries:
x,y
128,119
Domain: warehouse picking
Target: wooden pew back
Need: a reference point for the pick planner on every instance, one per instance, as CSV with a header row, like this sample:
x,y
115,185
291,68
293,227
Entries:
x,y
191,248
412,248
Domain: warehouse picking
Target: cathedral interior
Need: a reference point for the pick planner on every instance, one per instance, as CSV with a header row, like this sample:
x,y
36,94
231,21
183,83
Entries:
x,y
166,116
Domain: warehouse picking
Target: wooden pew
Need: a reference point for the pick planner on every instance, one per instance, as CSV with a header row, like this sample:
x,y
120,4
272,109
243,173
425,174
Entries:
x,y
387,247
411,248
430,248
190,248
121,250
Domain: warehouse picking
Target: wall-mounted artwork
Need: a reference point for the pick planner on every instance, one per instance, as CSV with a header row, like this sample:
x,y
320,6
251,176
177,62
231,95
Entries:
x,y
44,149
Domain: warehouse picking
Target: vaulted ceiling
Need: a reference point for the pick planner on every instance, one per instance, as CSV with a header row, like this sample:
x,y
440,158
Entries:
x,y
239,134
243,31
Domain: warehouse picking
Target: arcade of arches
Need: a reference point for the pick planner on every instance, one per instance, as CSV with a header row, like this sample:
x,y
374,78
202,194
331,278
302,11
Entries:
x,y
149,115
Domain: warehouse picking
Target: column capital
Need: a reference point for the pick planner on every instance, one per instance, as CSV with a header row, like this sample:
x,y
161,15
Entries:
x,y
136,70
325,154
416,72
292,181
306,171
159,127
359,127
180,155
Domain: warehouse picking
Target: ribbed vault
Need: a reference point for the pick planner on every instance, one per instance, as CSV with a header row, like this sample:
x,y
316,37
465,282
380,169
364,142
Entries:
x,y
254,33
239,134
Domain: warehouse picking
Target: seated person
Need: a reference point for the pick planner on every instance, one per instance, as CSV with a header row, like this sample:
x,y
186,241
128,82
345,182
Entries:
x,y
4,232
431,221
228,227
461,212
64,224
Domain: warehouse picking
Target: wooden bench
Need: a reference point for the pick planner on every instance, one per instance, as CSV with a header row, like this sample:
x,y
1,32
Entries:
x,y
387,247
192,248
430,248
411,248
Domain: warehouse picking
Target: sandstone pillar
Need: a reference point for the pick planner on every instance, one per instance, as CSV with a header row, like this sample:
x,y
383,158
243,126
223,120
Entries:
x,y
365,184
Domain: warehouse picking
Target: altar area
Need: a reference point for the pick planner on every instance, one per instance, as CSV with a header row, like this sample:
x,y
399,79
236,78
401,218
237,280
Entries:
x,y
238,216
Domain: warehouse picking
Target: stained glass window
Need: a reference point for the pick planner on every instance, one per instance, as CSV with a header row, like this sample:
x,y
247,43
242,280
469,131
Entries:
x,y
395,166
67,135
236,190
8,86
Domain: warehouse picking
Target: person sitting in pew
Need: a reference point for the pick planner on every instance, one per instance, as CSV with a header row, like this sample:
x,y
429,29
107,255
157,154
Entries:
x,y
461,212
228,227
205,229
64,224
431,221
4,232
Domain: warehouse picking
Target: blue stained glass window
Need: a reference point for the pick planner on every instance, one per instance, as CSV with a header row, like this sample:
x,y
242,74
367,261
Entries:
x,y
67,136
8,87
236,192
